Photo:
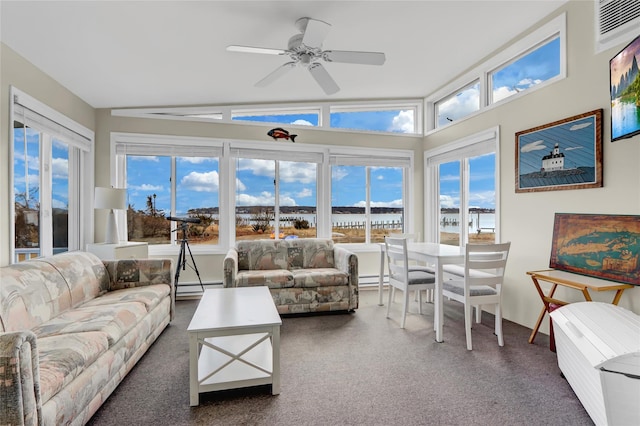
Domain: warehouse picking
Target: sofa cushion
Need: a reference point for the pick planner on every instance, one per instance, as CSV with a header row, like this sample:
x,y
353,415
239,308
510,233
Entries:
x,y
84,273
63,357
262,254
149,296
316,253
319,277
31,293
275,278
113,320
299,300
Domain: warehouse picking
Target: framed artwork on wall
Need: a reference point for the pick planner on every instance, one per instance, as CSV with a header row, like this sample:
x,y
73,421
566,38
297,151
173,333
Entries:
x,y
565,154
598,245
624,79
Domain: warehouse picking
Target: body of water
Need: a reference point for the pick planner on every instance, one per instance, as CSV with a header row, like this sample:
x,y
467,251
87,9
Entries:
x,y
449,223
625,118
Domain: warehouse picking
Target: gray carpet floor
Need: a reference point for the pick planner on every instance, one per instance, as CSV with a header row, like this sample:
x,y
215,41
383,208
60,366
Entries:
x,y
361,369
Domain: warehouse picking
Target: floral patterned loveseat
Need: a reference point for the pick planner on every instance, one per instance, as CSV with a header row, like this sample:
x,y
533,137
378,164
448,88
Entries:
x,y
303,274
71,328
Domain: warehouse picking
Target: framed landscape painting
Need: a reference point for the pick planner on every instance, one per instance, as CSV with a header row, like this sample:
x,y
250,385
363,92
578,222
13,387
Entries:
x,y
565,154
624,77
602,246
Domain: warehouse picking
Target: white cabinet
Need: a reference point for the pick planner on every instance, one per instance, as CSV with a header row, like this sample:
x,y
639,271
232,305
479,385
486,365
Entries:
x,y
598,346
121,250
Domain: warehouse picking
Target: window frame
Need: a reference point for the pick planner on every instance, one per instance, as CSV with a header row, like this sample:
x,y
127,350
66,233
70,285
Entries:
x,y
462,149
227,175
555,27
80,141
322,108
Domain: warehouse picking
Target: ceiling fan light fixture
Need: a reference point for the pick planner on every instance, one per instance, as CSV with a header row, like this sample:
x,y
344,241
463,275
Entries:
x,y
305,49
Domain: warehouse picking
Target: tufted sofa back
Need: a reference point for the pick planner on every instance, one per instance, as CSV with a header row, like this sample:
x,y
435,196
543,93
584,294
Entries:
x,y
34,291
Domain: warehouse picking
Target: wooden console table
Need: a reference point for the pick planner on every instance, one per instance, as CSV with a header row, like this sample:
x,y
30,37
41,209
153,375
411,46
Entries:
x,y
570,280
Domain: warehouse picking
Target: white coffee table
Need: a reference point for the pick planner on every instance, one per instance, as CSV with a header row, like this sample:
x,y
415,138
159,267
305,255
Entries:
x,y
234,341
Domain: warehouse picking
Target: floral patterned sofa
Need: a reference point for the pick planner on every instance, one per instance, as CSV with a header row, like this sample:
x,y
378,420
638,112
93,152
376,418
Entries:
x,y
303,274
71,328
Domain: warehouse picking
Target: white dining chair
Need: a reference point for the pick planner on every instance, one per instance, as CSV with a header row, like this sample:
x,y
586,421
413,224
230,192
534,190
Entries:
x,y
480,284
404,278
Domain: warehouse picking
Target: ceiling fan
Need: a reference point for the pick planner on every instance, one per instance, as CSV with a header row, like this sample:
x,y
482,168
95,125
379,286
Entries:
x,y
305,49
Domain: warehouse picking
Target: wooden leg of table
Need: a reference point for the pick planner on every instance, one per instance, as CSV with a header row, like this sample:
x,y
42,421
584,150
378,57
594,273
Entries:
x,y
617,297
586,295
545,308
538,323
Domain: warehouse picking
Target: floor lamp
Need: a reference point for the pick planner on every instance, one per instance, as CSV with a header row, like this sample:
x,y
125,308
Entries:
x,y
111,199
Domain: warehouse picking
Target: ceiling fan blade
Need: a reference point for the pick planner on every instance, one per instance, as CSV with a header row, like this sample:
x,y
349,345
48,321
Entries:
x,y
279,72
314,32
350,57
249,49
323,78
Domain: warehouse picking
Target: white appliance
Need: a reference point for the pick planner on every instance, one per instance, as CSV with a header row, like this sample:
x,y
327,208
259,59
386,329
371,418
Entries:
x,y
598,347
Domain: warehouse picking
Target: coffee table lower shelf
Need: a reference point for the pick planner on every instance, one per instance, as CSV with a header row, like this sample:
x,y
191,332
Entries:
x,y
227,363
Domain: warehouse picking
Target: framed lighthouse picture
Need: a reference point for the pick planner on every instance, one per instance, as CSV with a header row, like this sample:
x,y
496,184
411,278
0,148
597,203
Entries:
x,y
566,154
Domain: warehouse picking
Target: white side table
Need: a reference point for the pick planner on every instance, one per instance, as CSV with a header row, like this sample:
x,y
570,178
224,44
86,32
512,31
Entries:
x,y
121,250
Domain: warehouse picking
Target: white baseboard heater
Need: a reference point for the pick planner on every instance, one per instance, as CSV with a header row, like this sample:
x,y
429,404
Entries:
x,y
598,347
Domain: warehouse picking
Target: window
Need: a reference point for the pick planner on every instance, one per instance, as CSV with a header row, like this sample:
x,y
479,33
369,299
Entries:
x,y
458,105
401,116
535,61
245,191
176,177
303,118
530,69
275,198
367,201
460,179
376,119
49,151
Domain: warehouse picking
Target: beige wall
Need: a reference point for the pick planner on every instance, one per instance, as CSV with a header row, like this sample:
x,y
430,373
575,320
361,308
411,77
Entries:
x,y
527,218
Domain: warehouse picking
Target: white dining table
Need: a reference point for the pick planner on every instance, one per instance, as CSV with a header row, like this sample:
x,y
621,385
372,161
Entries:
x,y
434,254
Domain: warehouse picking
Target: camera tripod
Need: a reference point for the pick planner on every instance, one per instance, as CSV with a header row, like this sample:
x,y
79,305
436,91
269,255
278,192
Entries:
x,y
182,257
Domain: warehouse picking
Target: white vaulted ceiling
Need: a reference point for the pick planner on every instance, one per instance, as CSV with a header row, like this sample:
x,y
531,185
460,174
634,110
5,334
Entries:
x,y
157,53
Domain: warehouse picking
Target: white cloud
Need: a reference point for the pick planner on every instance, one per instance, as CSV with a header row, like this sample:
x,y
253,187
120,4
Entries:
x,y
571,148
297,172
201,182
338,173
482,198
579,126
240,186
60,168
403,122
393,203
533,146
264,199
461,105
302,123
306,192
447,201
146,187
503,92
380,177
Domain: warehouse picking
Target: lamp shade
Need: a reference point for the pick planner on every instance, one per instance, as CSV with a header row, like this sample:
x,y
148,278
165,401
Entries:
x,y
111,198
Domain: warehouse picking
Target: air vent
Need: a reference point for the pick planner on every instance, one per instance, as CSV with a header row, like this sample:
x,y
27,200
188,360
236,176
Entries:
x,y
617,21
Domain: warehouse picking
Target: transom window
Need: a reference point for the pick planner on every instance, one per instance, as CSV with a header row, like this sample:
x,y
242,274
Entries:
x,y
535,61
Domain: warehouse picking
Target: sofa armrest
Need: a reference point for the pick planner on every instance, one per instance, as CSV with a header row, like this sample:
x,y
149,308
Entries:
x,y
20,402
230,267
347,261
129,273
